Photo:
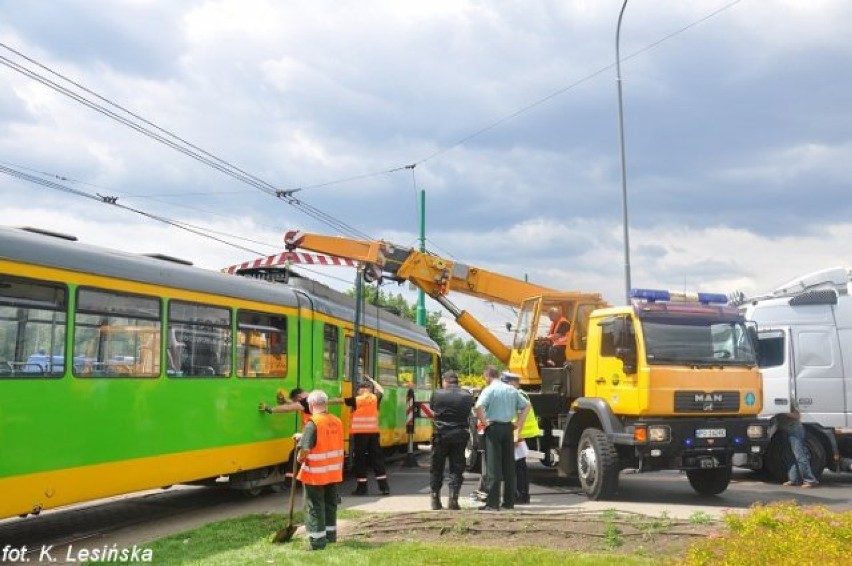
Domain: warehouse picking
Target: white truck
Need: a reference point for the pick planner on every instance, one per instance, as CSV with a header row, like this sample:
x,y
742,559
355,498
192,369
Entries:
x,y
805,356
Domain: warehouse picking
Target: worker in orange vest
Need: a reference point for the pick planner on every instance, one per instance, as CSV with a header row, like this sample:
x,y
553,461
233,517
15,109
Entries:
x,y
365,436
298,403
321,456
558,336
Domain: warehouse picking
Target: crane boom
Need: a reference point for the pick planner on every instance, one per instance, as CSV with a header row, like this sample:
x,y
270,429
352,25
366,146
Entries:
x,y
437,276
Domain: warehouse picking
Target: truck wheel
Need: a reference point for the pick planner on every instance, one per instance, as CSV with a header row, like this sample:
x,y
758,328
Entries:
x,y
779,457
710,482
597,464
775,462
472,455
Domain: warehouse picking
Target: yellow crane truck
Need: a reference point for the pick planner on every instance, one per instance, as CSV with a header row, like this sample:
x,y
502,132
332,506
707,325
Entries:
x,y
669,382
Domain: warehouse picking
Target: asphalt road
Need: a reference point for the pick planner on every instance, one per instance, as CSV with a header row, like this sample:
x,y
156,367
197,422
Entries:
x,y
142,517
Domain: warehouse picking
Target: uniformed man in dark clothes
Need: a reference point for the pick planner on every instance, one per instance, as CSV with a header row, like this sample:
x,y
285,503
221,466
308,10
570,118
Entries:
x,y
451,406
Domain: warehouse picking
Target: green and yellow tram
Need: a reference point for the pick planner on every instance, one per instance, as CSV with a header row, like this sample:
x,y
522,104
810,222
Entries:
x,y
122,372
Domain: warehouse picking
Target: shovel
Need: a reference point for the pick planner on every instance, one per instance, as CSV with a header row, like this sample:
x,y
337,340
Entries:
x,y
286,534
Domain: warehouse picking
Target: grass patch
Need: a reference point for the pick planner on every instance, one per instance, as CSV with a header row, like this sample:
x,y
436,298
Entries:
x,y
778,534
652,526
701,518
245,540
612,534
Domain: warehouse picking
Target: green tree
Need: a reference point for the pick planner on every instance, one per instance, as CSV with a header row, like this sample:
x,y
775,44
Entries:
x,y
457,354
397,304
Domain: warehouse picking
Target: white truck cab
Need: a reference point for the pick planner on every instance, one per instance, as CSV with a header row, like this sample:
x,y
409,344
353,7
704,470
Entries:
x,y
805,357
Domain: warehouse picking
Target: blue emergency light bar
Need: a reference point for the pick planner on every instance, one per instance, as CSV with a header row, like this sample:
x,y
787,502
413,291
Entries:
x,y
653,295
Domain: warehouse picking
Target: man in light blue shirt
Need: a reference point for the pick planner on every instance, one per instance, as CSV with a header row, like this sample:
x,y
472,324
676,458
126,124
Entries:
x,y
497,406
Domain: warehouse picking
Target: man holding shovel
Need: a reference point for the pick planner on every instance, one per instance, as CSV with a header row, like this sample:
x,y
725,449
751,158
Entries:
x,y
321,457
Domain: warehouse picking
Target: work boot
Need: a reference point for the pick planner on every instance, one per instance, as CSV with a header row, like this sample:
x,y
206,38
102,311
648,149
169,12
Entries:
x,y
384,488
360,488
453,503
436,501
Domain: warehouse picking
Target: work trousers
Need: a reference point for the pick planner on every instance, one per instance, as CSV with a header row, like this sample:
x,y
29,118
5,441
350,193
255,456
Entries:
x,y
523,480
500,464
443,450
321,514
368,451
800,469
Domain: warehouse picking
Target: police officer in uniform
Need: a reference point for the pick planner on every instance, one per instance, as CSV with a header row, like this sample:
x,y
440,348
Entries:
x,y
451,406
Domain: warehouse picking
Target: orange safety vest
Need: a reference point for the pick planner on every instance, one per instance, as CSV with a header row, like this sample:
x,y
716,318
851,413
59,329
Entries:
x,y
306,417
561,340
324,464
365,417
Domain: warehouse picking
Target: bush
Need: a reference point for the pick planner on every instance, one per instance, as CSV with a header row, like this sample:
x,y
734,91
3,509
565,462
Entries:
x,y
778,534
472,381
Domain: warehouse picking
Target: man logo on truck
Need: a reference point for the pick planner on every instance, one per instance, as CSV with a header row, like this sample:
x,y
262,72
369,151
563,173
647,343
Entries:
x,y
708,398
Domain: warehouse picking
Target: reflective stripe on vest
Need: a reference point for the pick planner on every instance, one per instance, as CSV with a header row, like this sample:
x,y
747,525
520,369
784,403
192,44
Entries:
x,y
324,464
365,417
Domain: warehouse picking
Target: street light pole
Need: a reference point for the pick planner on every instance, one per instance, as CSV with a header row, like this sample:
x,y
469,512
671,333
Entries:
x,y
623,159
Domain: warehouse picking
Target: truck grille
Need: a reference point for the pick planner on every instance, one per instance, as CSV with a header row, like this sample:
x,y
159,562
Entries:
x,y
706,401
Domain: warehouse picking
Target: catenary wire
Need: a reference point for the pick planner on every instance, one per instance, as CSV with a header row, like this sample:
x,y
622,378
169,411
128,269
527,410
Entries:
x,y
112,201
175,143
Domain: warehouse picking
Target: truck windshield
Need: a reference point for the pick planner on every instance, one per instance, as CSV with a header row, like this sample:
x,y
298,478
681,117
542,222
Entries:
x,y
696,340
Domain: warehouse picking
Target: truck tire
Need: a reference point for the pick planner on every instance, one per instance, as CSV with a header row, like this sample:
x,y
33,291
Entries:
x,y
472,452
779,458
775,462
597,464
710,482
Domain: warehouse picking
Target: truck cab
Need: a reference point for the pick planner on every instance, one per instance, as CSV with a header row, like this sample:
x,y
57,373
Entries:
x,y
805,345
670,382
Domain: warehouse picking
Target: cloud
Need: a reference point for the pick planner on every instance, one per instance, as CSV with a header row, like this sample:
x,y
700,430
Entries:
x,y
737,131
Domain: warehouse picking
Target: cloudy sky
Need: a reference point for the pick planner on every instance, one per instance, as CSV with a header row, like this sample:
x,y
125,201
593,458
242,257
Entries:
x,y
737,127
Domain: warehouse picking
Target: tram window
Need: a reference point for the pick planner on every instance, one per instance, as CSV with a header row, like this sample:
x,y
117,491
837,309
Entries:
x,y
407,365
425,370
330,343
116,334
32,328
365,357
199,340
261,345
387,363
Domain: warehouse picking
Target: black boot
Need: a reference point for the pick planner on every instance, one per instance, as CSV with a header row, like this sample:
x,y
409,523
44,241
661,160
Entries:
x,y
360,488
453,503
384,488
436,501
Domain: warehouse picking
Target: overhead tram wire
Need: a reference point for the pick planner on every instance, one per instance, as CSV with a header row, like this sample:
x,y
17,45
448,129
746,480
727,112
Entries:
x,y
59,177
530,106
298,203
113,201
176,142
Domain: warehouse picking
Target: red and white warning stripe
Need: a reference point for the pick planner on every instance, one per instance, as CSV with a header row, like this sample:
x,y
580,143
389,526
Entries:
x,y
291,258
426,411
